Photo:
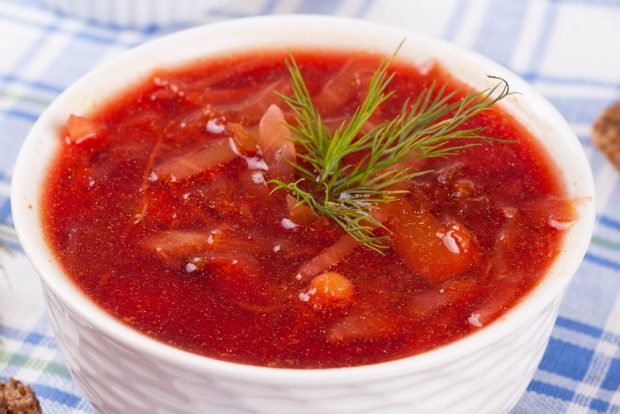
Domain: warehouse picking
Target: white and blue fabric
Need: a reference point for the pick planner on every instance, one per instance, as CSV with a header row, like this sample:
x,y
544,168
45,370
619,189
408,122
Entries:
x,y
569,50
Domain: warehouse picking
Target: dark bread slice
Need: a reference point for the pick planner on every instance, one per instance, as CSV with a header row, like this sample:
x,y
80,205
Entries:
x,y
17,398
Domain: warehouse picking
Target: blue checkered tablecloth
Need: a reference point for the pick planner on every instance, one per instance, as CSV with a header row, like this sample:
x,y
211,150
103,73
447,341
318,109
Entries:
x,y
569,50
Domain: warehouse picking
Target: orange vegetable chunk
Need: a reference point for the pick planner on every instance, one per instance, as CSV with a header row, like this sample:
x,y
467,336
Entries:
x,y
331,289
299,213
437,252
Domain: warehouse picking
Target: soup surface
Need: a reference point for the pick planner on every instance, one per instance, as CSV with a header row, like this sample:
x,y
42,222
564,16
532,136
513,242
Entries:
x,y
159,208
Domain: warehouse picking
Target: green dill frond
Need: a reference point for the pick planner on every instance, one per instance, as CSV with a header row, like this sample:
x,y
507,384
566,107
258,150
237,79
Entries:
x,y
430,126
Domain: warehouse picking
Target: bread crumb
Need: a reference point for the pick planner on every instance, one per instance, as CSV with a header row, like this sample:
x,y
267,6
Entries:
x,y
17,398
606,134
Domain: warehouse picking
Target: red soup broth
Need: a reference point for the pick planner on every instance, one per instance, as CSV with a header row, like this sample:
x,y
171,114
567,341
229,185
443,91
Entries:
x,y
170,228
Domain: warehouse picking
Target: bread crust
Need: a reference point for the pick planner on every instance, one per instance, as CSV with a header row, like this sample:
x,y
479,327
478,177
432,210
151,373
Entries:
x,y
18,398
606,134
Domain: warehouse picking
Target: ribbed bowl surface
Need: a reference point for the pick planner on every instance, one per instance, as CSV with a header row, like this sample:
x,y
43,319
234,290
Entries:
x,y
119,380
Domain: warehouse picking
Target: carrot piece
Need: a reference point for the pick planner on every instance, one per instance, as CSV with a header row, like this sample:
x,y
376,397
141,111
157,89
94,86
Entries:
x,y
274,140
330,289
299,213
435,251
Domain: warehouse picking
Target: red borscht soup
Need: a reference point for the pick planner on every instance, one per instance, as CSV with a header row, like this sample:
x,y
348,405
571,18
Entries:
x,y
160,208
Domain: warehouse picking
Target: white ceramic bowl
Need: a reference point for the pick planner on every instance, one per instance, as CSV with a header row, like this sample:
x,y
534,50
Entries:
x,y
123,371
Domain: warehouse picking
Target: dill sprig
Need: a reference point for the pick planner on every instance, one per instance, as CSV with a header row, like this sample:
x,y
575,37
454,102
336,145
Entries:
x,y
430,126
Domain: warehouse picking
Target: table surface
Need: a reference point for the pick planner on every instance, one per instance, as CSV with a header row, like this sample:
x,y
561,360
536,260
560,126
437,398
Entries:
x,y
568,50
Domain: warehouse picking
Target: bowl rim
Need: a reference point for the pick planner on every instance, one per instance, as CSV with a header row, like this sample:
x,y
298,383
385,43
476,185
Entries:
x,y
27,215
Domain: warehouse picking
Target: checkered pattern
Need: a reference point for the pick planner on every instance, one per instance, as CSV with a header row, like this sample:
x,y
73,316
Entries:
x,y
568,50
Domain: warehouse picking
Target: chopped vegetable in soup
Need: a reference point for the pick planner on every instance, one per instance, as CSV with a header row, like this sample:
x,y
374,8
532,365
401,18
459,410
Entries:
x,y
179,208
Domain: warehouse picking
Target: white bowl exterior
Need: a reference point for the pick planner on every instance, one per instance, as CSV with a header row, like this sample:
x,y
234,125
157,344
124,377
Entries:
x,y
485,372
121,379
